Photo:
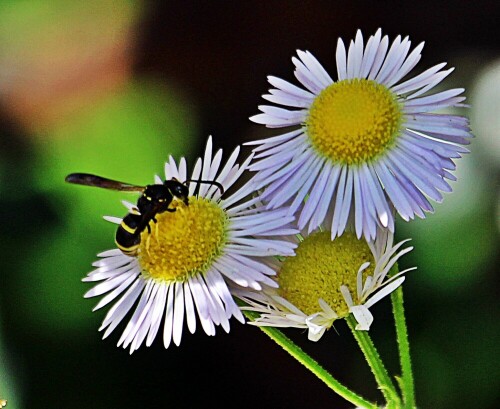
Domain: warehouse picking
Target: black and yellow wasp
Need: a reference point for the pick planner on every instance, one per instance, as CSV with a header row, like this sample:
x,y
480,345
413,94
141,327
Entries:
x,y
155,199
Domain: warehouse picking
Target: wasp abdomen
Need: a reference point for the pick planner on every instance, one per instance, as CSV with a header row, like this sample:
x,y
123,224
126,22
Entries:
x,y
128,234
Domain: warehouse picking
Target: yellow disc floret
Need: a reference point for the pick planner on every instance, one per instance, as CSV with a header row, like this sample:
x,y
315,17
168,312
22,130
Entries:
x,y
185,242
318,269
354,121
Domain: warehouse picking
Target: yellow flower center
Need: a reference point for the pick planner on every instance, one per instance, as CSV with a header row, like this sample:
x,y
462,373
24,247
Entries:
x,y
185,242
354,121
318,269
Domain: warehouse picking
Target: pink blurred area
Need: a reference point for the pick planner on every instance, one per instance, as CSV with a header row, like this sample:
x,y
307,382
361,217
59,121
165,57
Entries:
x,y
59,57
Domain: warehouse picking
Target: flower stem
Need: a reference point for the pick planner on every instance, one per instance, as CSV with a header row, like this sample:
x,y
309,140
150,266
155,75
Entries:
x,y
407,385
289,346
376,365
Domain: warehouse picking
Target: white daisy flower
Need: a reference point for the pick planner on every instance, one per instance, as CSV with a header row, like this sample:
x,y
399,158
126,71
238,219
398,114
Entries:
x,y
328,280
182,267
368,141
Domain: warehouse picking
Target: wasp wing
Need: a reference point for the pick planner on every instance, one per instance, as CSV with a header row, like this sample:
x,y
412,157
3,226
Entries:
x,y
98,181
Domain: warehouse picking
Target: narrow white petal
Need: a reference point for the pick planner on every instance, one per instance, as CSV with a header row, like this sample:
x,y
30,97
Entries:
x,y
347,295
275,140
110,253
178,313
339,200
384,292
157,313
306,186
144,322
394,59
118,311
290,186
436,79
103,273
407,66
326,196
418,81
305,76
312,203
108,285
289,88
355,57
112,219
379,57
116,292
358,203
169,317
131,207
391,187
346,202
341,60
370,52
359,279
190,311
279,97
314,66
226,170
315,331
198,297
131,328
363,316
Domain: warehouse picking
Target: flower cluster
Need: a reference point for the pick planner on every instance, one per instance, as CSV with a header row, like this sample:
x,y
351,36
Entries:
x,y
309,238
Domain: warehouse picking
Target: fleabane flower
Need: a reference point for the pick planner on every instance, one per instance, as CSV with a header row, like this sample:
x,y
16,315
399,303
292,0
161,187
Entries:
x,y
182,267
327,280
367,141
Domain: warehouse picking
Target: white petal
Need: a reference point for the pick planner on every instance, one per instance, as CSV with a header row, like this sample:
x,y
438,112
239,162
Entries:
x,y
341,60
363,316
384,292
169,316
112,219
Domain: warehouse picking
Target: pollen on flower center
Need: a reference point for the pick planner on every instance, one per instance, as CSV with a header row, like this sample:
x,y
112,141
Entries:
x,y
320,267
185,242
353,121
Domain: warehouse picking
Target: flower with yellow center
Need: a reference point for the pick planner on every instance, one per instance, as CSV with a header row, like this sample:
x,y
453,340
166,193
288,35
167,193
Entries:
x,y
183,266
327,280
363,144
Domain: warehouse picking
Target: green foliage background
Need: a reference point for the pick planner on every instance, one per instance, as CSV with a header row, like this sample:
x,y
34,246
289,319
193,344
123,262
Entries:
x,y
51,355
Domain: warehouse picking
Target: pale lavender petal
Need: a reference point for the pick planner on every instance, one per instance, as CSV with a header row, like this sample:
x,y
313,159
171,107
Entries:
x,y
379,57
169,317
417,82
370,52
341,60
290,88
178,313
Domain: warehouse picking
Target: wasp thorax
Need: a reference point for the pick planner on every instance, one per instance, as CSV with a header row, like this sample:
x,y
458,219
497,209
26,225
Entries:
x,y
185,242
320,267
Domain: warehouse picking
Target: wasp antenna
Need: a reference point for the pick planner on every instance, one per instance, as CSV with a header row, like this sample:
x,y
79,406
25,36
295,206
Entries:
x,y
208,182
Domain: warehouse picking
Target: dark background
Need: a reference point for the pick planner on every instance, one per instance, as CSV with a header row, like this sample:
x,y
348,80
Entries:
x,y
113,88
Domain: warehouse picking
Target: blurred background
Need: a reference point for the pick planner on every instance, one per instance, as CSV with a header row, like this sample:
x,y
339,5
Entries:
x,y
112,87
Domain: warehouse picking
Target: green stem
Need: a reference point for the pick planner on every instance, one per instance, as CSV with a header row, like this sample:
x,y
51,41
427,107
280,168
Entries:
x,y
375,362
295,351
407,384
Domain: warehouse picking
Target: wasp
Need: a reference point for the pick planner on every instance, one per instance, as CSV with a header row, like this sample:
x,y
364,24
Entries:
x,y
154,199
